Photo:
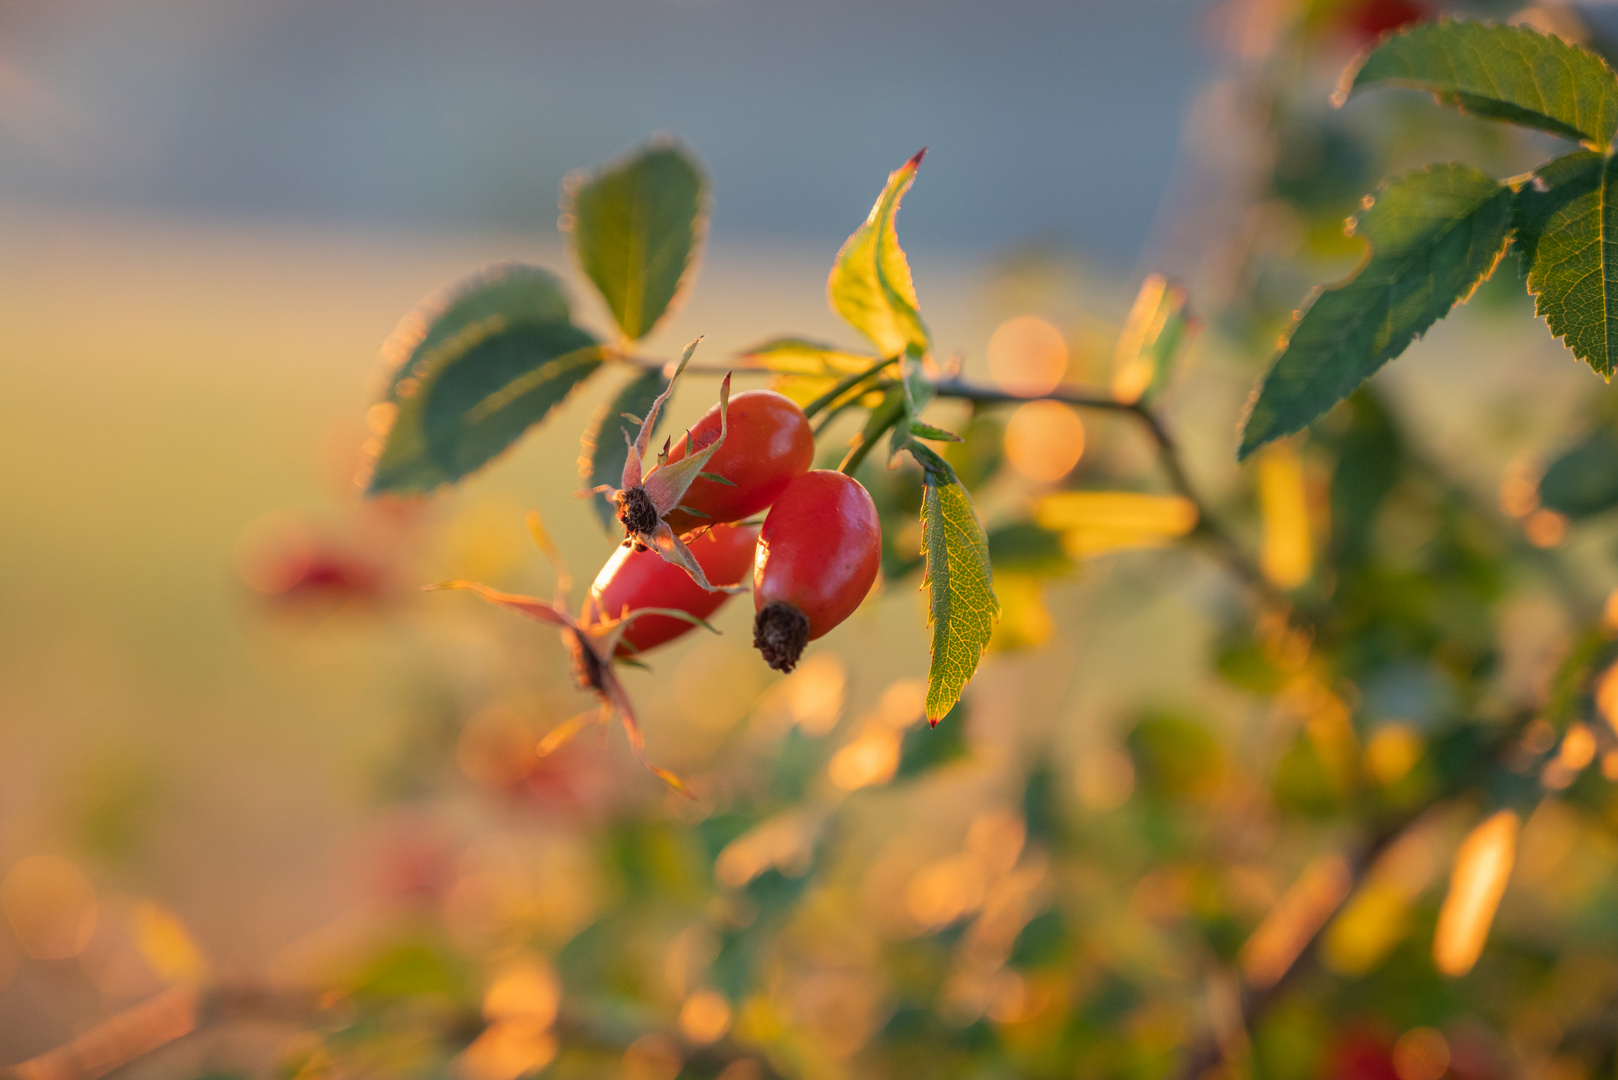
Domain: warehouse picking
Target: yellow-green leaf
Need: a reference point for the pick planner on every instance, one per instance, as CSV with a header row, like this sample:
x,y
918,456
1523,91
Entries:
x,y
961,607
870,283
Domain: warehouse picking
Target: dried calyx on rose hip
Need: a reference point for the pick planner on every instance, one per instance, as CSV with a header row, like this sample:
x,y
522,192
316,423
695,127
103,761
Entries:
x,y
818,556
637,580
644,500
592,645
769,442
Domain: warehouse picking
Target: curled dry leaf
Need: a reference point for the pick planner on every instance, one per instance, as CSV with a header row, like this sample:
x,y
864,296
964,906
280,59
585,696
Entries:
x,y
592,650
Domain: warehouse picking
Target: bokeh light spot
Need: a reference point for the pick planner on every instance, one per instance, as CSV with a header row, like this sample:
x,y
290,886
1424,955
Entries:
x,y
1421,1054
1027,355
705,1016
1044,440
50,905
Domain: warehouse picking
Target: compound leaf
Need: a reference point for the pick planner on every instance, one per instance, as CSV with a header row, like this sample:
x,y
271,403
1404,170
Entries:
x,y
637,229
604,448
1434,235
1509,73
870,282
1567,231
961,604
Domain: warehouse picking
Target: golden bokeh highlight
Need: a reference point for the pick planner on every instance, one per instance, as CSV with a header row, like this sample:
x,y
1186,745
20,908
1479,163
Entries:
x,y
520,1005
1577,751
1287,555
50,905
1545,528
782,843
1296,918
872,758
1027,356
1607,696
704,1017
525,990
1519,488
1392,752
506,1051
1477,882
815,692
1044,440
1378,916
1097,522
167,946
1421,1054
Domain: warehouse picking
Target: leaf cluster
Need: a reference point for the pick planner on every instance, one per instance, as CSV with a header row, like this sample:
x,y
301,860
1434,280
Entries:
x,y
1435,234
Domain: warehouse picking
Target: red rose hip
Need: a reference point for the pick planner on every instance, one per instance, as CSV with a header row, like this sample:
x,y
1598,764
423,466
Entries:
x,y
817,558
769,443
632,580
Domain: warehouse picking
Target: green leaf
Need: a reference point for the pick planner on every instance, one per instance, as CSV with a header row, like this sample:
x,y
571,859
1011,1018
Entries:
x,y
1508,73
937,434
473,396
604,448
870,282
961,604
1567,229
511,292
1434,235
637,229
1584,480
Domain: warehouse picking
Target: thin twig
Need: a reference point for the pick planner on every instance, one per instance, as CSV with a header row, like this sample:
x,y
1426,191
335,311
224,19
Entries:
x,y
1221,542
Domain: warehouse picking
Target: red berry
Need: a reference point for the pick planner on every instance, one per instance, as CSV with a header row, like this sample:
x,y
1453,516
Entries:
x,y
633,580
1370,19
817,557
768,443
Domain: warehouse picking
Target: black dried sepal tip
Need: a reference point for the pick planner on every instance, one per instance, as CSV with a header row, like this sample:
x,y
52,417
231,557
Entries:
x,y
588,670
636,512
780,631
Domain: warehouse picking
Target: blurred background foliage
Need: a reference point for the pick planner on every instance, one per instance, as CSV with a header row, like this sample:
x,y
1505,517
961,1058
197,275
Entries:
x,y
266,810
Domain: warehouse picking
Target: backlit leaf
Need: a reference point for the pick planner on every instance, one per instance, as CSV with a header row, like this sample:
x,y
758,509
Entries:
x,y
637,229
1567,229
870,282
511,292
1434,235
1158,328
1509,73
961,607
463,402
603,449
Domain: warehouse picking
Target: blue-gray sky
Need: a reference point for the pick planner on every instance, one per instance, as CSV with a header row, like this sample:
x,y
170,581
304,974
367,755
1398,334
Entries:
x,y
1046,118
